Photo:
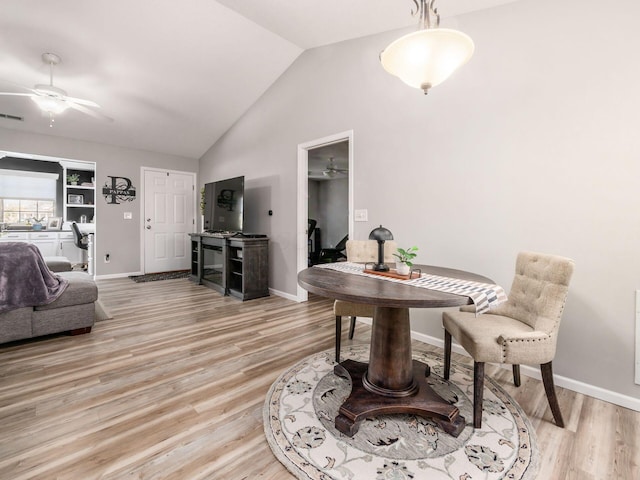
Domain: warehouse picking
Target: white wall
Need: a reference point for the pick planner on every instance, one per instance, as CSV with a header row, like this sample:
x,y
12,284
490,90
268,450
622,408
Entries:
x,y
533,145
119,237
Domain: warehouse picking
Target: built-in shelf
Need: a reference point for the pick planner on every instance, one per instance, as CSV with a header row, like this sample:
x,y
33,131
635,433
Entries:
x,y
79,200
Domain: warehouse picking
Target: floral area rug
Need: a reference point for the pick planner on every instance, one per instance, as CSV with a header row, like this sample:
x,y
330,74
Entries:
x,y
301,405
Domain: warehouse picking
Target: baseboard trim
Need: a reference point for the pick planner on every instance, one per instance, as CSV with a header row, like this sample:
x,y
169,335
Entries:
x,y
117,275
288,296
565,382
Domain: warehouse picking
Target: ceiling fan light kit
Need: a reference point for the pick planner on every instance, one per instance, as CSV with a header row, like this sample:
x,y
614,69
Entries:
x,y
427,57
50,104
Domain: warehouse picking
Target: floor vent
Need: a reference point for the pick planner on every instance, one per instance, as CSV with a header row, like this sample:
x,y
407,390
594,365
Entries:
x,y
11,117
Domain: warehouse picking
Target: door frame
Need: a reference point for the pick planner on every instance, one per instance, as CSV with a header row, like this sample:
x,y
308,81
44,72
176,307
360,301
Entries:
x,y
143,171
303,197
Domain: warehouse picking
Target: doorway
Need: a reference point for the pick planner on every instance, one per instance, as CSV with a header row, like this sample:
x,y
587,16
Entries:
x,y
321,161
328,192
169,217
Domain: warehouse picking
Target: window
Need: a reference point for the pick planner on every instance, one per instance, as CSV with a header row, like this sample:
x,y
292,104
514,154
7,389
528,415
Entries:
x,y
26,195
13,210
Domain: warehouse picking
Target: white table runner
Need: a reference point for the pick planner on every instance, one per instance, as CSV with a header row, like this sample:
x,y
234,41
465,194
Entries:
x,y
484,295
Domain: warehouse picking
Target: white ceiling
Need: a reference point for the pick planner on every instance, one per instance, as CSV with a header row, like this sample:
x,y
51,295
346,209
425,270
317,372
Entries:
x,y
174,76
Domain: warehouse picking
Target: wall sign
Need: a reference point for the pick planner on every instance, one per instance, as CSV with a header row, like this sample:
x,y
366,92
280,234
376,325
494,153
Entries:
x,y
118,188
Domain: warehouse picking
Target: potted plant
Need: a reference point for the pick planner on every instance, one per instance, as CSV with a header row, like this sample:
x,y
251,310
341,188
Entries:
x,y
404,263
202,207
72,178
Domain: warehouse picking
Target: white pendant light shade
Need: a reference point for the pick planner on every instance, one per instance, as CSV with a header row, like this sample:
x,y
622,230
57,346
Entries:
x,y
425,58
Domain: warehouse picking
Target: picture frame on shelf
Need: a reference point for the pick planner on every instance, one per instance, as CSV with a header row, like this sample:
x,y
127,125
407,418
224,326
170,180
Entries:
x,y
54,223
75,199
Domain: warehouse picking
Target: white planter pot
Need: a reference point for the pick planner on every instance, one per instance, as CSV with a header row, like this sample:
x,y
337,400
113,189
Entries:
x,y
402,268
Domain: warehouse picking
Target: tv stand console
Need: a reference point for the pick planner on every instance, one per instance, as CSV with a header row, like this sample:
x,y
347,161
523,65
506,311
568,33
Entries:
x,y
232,265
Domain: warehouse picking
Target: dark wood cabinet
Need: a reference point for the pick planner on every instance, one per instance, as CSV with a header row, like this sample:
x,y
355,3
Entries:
x,y
234,266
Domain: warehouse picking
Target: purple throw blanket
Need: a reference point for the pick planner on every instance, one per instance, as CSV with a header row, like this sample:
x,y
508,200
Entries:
x,y
25,280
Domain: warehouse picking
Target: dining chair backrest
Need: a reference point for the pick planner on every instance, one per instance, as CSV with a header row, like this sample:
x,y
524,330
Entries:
x,y
367,251
539,291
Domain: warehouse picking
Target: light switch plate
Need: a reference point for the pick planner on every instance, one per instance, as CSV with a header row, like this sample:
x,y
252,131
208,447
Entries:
x,y
361,215
128,215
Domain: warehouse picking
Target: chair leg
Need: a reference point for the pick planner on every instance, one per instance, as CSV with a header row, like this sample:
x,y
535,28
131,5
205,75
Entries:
x,y
516,375
478,385
352,327
447,354
547,380
338,335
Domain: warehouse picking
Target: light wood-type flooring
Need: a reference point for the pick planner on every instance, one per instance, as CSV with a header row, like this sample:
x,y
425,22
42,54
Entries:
x,y
173,387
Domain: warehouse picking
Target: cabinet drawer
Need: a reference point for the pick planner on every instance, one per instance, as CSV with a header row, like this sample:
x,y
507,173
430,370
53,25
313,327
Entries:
x,y
42,236
65,235
9,236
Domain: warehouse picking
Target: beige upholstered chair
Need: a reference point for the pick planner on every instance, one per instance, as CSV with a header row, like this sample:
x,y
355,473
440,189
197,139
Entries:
x,y
359,251
523,330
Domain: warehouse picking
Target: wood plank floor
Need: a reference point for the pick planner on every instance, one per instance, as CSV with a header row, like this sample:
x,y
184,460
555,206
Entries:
x,y
173,387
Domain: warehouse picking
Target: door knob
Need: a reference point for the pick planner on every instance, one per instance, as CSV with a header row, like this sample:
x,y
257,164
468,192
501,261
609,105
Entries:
x,y
148,227
148,219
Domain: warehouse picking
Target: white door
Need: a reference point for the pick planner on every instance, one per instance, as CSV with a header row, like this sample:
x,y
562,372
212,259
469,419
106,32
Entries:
x,y
169,216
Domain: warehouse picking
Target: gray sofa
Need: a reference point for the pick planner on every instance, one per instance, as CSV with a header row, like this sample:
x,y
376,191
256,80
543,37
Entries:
x,y
73,311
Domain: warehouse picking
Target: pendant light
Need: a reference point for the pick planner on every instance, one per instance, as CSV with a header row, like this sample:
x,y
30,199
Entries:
x,y
425,58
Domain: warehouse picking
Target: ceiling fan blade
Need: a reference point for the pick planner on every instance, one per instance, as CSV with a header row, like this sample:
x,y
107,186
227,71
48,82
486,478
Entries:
x,y
88,111
80,101
18,94
16,85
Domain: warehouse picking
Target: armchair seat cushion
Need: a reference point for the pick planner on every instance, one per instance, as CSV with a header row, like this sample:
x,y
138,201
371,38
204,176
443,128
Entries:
x,y
348,309
482,336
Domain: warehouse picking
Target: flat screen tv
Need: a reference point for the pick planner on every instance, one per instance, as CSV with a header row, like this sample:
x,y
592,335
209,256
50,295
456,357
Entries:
x,y
224,205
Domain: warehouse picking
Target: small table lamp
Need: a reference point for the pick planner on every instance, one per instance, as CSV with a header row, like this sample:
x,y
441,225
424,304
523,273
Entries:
x,y
380,235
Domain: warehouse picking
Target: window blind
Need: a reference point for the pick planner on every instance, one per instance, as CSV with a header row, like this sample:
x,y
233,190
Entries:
x,y
30,185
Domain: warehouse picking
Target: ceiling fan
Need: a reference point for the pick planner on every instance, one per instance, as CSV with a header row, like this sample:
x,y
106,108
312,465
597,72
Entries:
x,y
53,100
332,171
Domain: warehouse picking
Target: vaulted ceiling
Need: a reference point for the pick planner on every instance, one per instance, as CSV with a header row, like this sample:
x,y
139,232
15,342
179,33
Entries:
x,y
173,76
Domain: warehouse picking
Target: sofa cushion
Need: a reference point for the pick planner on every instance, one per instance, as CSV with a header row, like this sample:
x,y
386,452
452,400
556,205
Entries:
x,y
58,264
82,289
25,280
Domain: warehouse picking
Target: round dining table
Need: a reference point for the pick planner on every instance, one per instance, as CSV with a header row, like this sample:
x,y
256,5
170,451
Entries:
x,y
392,381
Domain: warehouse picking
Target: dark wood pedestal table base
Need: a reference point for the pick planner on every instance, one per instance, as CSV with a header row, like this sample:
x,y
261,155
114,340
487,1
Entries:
x,y
392,382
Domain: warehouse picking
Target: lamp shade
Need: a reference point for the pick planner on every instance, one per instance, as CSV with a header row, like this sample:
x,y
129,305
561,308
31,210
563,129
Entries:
x,y
425,58
380,234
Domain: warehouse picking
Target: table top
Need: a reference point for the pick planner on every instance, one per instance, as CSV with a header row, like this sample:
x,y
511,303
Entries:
x,y
378,291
